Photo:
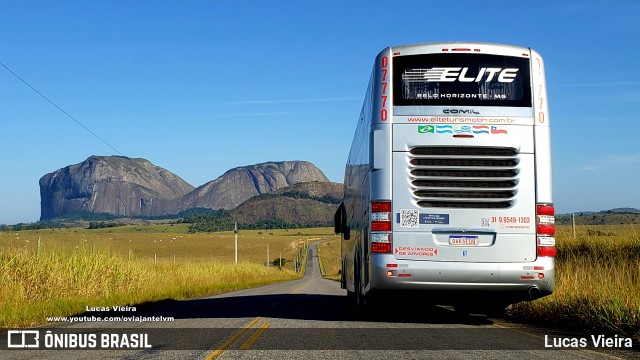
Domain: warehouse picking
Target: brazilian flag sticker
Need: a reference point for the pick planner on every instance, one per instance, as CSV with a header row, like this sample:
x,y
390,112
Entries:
x,y
426,129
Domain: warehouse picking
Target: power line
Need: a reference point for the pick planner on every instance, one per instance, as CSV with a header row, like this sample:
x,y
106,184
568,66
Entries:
x,y
59,108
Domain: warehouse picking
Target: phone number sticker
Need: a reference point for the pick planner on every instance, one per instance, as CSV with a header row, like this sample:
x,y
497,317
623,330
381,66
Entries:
x,y
511,219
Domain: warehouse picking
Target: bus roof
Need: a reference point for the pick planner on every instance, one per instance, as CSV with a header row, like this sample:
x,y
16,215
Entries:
x,y
460,47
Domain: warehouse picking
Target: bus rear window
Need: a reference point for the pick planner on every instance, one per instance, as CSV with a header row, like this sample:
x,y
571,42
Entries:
x,y
461,79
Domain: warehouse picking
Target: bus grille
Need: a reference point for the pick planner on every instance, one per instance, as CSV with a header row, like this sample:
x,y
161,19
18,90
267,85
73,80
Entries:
x,y
464,177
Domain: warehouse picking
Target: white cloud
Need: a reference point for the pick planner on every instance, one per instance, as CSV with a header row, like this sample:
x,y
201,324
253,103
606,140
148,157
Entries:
x,y
266,113
623,159
595,84
611,161
291,101
622,98
588,168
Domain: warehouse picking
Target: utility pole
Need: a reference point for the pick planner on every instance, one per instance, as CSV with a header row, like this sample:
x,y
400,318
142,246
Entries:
x,y
235,231
267,254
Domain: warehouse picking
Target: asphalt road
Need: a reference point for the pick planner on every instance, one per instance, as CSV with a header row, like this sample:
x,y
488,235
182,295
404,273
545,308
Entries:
x,y
303,319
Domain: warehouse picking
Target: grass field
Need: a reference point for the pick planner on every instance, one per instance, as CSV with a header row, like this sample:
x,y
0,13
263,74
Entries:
x,y
597,286
166,243
329,257
597,275
75,268
597,283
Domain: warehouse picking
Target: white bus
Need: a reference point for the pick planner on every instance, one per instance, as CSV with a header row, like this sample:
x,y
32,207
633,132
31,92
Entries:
x,y
448,181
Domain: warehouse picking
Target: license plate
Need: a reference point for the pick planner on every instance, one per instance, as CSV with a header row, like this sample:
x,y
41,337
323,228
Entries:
x,y
463,240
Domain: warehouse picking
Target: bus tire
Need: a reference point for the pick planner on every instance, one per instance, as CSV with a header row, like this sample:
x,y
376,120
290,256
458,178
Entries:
x,y
360,297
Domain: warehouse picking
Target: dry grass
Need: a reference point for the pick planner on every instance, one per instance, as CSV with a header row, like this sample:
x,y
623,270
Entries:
x,y
597,283
130,265
330,258
166,242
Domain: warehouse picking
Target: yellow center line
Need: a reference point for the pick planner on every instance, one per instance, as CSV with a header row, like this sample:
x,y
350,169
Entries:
x,y
227,344
247,344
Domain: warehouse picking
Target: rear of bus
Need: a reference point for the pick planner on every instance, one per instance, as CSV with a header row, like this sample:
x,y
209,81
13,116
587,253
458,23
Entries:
x,y
464,132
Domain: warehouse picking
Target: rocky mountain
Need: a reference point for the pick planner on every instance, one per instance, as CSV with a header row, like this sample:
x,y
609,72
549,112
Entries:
x,y
305,204
135,187
109,184
239,184
314,189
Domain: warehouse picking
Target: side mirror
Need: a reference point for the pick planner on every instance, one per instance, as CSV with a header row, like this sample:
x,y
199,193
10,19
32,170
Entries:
x,y
338,218
340,222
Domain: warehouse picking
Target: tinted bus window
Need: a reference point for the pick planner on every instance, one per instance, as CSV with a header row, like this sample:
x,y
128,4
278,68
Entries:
x,y
461,79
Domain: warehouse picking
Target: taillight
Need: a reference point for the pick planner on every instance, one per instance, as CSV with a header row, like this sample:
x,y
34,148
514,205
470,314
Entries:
x,y
381,227
546,246
547,251
546,228
542,209
381,206
380,248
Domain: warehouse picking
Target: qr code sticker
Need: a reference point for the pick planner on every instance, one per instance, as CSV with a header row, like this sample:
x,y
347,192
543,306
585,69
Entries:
x,y
409,218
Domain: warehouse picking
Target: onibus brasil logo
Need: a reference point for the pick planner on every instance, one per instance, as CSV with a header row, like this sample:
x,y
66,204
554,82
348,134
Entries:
x,y
32,339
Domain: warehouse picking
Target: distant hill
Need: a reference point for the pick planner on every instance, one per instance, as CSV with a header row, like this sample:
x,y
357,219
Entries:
x,y
305,204
623,210
606,217
127,187
301,205
240,184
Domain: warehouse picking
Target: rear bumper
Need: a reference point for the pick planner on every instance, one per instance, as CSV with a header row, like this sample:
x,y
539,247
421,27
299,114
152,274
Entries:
x,y
514,279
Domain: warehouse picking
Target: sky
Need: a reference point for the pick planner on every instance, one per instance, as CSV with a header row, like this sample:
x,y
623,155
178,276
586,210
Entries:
x,y
200,87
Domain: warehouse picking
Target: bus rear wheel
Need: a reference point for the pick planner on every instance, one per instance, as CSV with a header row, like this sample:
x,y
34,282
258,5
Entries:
x,y
360,297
